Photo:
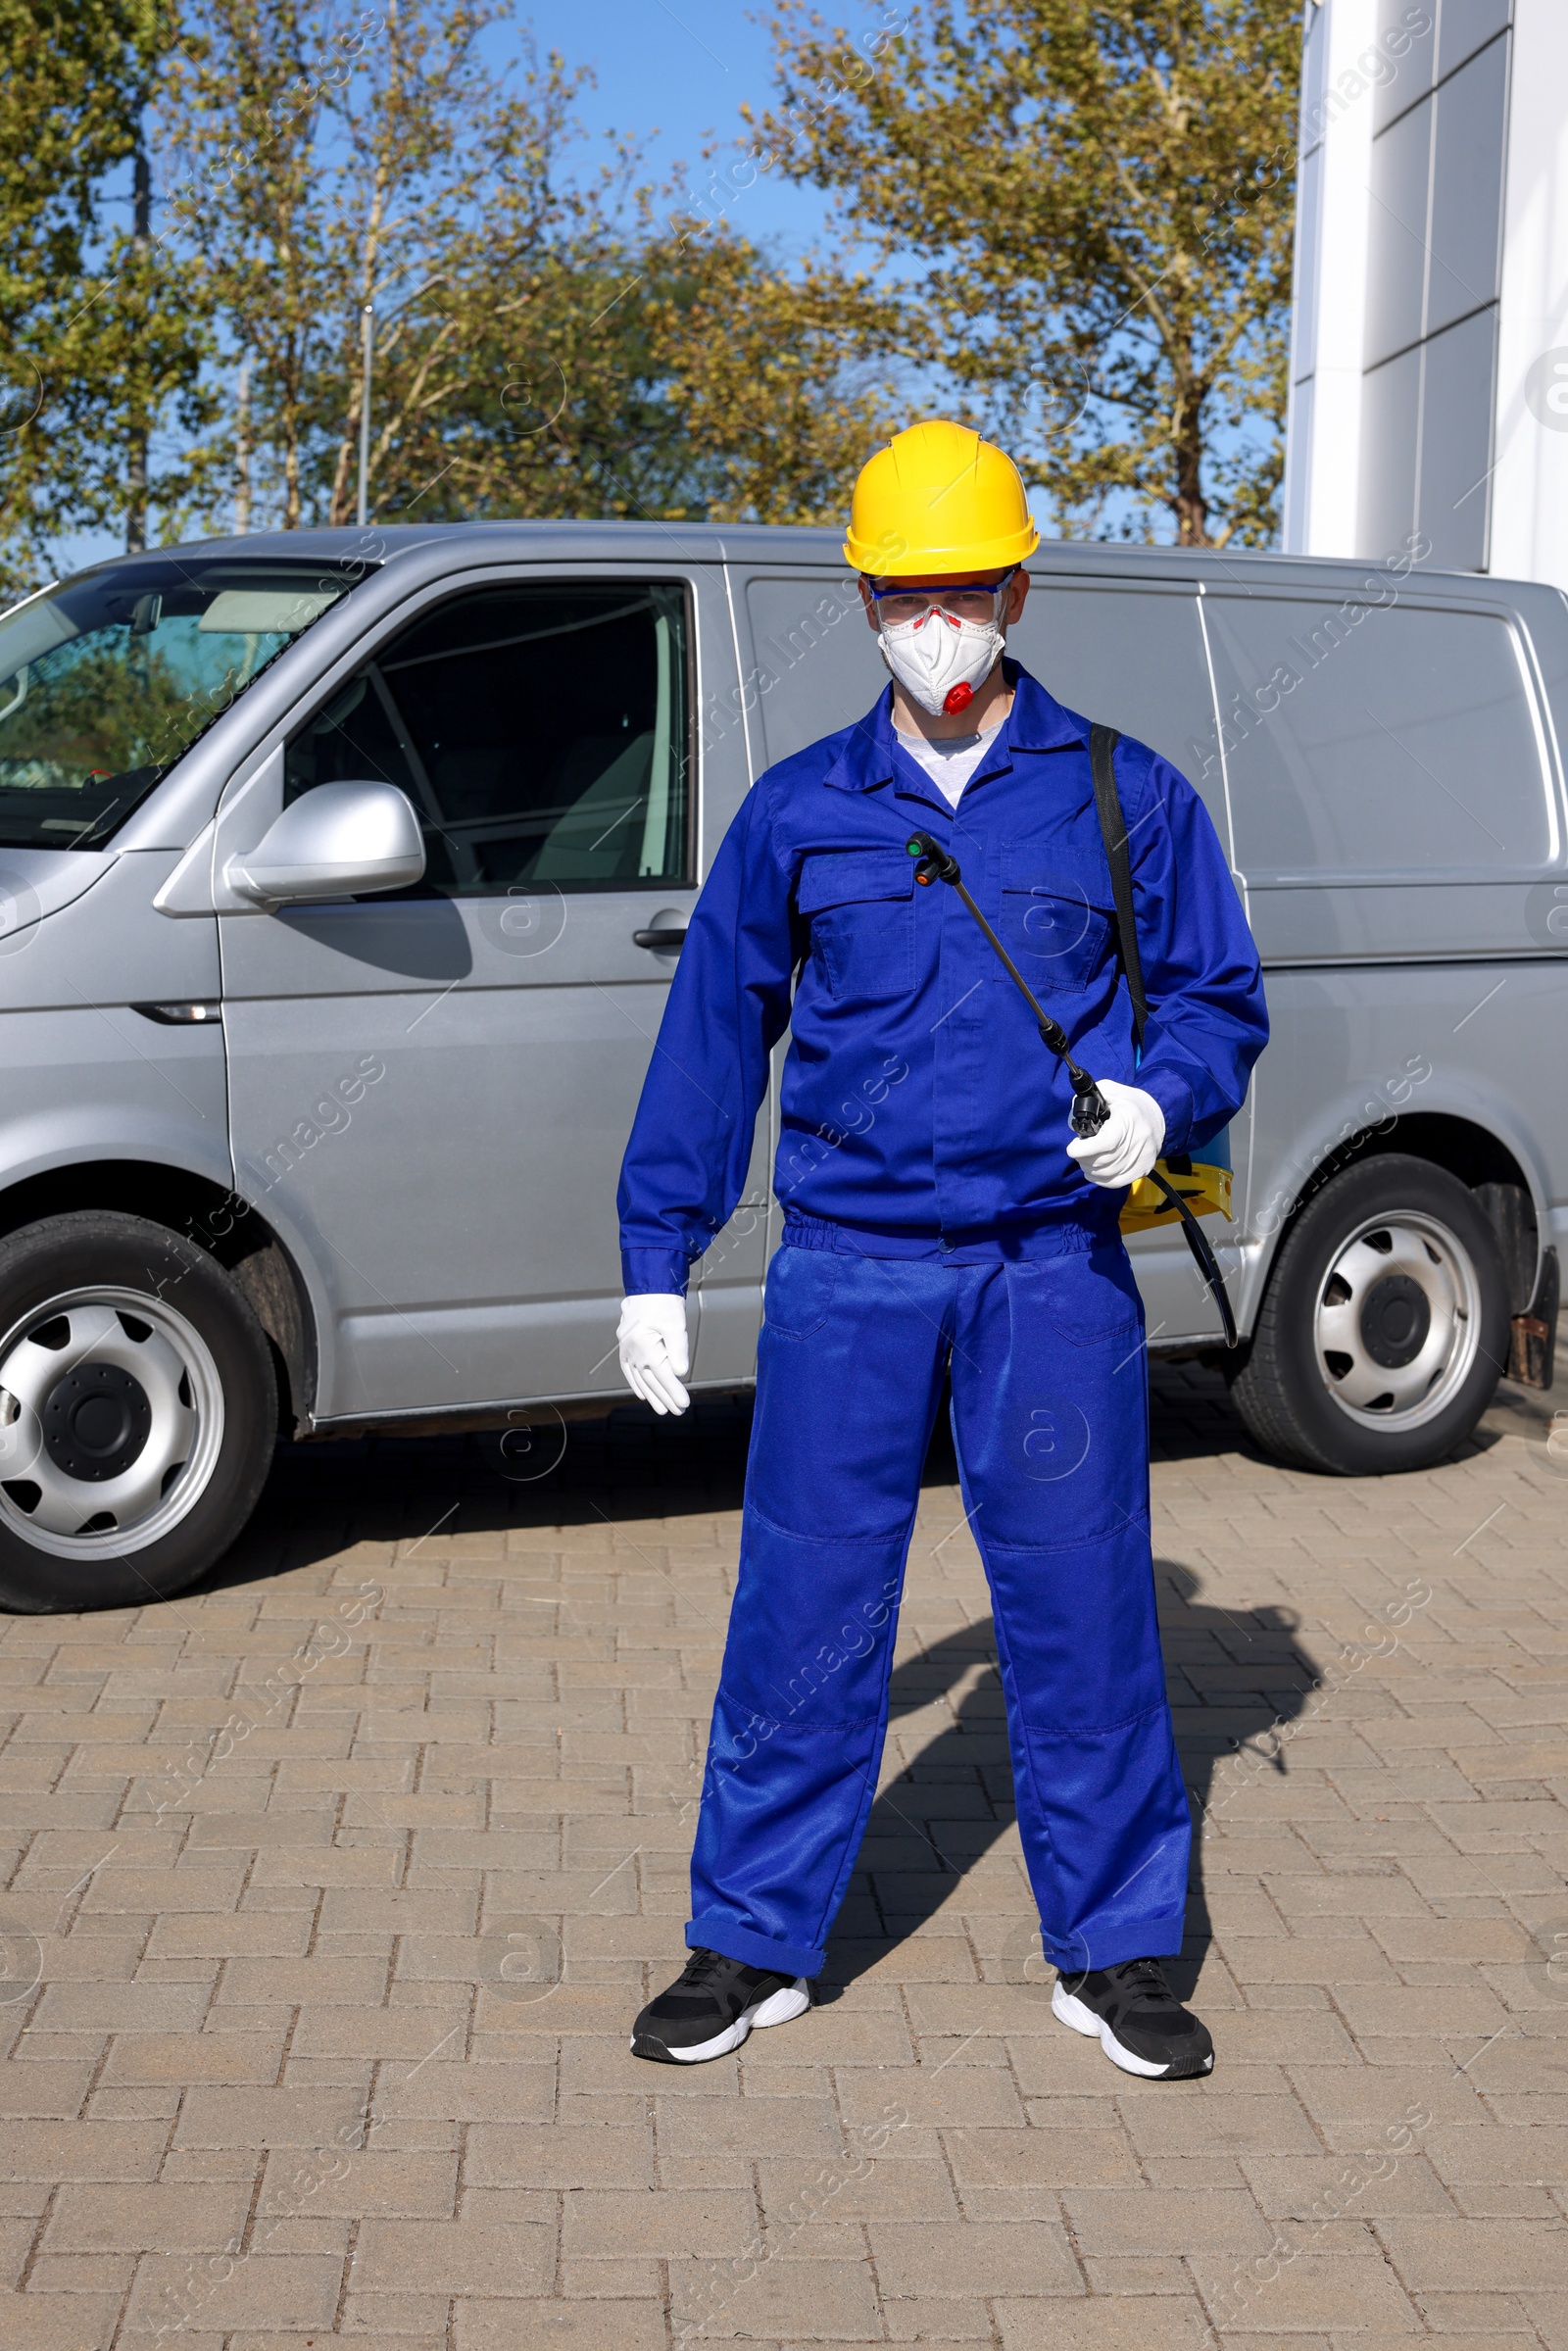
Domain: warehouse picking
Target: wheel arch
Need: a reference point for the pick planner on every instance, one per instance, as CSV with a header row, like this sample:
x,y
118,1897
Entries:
x,y
220,1221
1499,1177
1507,1191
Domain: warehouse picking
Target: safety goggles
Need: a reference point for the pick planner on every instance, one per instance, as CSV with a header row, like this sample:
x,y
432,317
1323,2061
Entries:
x,y
966,600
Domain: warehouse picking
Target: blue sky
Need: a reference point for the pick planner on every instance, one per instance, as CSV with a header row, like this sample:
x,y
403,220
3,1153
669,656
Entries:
x,y
682,68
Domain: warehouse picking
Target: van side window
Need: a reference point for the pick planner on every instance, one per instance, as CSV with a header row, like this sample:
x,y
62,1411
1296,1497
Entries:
x,y
541,731
1366,738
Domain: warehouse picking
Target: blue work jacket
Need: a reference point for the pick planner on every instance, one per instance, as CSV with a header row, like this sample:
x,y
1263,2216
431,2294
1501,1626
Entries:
x,y
920,1111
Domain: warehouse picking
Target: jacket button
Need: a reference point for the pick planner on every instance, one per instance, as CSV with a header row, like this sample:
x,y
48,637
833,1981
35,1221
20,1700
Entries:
x,y
945,1244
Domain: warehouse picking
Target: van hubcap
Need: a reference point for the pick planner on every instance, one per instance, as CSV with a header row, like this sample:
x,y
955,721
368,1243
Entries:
x,y
110,1422
96,1421
1398,1321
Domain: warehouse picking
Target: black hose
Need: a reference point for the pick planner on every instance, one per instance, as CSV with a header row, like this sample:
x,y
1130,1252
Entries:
x,y
1090,1109
1204,1255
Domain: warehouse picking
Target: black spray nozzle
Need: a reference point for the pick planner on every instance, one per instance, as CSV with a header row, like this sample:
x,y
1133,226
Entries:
x,y
935,865
1090,1108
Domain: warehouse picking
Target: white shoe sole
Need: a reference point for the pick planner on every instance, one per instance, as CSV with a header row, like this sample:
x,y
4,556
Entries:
x,y
792,2000
1070,2010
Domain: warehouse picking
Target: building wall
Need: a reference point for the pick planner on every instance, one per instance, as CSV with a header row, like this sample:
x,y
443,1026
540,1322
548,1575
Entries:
x,y
1432,285
1530,486
1323,424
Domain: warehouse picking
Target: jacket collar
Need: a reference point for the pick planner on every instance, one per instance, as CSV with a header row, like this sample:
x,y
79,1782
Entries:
x,y
1037,721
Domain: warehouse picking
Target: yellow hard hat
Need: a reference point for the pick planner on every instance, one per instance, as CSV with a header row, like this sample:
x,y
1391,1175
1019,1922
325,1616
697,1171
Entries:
x,y
938,499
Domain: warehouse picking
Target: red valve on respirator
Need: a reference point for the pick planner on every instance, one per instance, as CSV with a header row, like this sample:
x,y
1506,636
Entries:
x,y
959,699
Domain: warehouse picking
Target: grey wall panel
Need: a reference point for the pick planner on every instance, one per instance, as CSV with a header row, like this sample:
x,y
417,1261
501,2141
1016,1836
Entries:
x,y
1308,254
1396,242
1432,285
1456,442
1314,68
1411,68
1298,470
1465,26
1467,189
1390,421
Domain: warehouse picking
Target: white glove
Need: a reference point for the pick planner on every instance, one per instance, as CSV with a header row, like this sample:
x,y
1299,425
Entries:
x,y
655,1356
1128,1144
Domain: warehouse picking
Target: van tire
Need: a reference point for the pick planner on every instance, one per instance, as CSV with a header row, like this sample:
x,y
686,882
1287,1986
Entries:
x,y
134,1375
1389,1276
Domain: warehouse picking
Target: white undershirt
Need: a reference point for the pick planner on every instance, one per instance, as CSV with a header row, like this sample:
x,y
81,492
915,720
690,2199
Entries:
x,y
950,763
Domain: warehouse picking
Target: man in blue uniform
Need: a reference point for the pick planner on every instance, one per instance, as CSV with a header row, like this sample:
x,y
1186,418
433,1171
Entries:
x,y
940,1220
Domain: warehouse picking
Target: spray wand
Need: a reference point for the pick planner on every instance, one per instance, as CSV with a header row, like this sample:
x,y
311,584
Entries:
x,y
1090,1108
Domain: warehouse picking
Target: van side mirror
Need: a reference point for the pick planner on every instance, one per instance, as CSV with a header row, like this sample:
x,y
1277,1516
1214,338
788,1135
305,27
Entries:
x,y
337,841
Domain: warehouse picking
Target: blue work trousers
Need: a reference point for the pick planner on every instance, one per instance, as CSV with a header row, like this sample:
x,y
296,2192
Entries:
x,y
1050,1418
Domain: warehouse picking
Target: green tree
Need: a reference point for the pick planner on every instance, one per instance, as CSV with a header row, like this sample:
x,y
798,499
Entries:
x,y
132,362
242,120
543,343
93,332
331,168
1100,195
775,380
672,375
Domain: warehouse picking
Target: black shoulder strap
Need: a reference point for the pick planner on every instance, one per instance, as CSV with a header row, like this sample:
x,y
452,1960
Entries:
x,y
1103,741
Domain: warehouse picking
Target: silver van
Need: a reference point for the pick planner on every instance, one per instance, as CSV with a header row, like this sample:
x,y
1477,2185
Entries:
x,y
342,876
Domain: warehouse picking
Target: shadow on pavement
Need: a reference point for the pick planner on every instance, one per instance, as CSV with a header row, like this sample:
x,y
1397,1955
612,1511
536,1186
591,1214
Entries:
x,y
1237,1682
627,1466
1234,1679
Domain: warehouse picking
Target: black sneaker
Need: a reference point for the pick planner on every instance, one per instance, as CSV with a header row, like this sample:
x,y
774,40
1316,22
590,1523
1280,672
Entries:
x,y
1137,2019
712,2007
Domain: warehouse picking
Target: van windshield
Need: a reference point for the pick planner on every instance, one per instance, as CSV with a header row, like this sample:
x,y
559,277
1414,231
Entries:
x,y
108,679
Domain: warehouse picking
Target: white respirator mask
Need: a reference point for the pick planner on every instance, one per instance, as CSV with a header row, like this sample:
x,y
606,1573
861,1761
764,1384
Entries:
x,y
939,660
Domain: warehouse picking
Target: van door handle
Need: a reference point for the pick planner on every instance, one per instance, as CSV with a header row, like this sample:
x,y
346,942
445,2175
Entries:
x,y
660,938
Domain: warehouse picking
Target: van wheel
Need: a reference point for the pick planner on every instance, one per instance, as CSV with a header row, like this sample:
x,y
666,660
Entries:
x,y
138,1412
1385,1326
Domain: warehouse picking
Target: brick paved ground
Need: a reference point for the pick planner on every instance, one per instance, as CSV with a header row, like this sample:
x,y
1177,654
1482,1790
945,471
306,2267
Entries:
x,y
306,1854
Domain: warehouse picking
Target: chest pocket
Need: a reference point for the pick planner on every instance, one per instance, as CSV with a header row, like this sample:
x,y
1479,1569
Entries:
x,y
861,906
1055,914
